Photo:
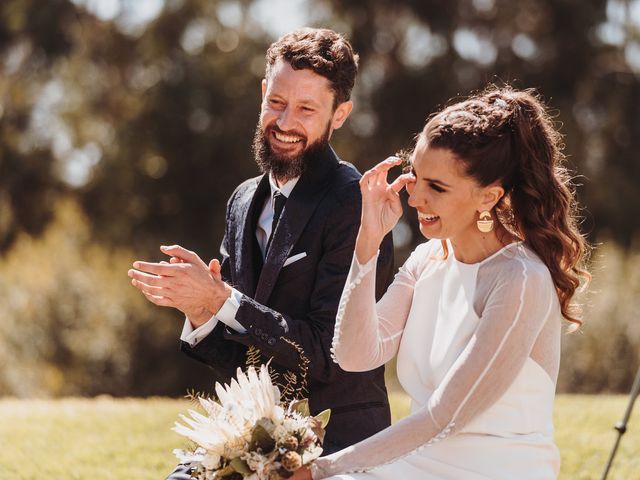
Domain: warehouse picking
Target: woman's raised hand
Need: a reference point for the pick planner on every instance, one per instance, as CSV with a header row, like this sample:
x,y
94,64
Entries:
x,y
381,206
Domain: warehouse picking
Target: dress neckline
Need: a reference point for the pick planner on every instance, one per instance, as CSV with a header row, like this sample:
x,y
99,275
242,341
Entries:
x,y
477,264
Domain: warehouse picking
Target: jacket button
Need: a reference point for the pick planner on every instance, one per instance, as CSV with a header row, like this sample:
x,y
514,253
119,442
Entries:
x,y
257,331
271,341
264,337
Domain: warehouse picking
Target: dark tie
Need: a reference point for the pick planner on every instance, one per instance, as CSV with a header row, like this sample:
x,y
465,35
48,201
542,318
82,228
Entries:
x,y
278,205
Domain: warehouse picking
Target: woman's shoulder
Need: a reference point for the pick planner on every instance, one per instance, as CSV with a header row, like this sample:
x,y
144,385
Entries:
x,y
424,254
518,262
431,249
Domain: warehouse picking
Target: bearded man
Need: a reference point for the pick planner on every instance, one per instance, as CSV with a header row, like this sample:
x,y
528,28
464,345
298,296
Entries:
x,y
288,243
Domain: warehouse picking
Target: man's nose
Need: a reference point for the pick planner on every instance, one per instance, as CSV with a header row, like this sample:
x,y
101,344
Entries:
x,y
286,120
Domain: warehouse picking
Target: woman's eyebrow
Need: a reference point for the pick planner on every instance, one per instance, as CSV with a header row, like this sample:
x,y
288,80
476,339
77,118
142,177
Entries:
x,y
435,180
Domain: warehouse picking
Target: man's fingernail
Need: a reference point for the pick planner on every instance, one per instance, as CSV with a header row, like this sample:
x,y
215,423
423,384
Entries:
x,y
136,265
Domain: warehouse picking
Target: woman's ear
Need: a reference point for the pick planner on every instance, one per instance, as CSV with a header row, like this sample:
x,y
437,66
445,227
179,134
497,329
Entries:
x,y
489,197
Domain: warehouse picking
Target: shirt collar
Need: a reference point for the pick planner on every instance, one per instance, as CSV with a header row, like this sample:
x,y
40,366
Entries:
x,y
286,189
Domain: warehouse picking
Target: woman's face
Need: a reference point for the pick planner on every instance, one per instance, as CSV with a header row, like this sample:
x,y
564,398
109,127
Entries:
x,y
446,199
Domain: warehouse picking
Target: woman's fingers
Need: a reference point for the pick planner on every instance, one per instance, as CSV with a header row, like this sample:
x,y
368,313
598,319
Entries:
x,y
402,181
383,168
378,175
389,163
365,181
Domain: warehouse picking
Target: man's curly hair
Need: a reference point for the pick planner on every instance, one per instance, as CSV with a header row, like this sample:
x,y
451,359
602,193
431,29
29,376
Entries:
x,y
324,51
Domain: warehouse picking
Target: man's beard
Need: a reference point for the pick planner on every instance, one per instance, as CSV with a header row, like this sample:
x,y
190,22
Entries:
x,y
284,167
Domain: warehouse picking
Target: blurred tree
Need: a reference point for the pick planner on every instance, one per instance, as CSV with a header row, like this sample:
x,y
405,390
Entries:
x,y
150,132
144,124
32,39
72,324
584,57
144,119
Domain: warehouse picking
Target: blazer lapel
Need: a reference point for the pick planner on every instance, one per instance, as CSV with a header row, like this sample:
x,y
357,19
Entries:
x,y
301,204
248,263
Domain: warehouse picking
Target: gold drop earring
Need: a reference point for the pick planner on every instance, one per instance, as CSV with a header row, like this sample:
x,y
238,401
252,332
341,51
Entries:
x,y
485,223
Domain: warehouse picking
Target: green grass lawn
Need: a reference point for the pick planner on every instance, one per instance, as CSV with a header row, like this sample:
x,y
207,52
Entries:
x,y
105,438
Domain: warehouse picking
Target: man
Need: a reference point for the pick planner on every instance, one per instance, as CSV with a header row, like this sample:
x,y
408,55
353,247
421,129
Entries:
x,y
288,244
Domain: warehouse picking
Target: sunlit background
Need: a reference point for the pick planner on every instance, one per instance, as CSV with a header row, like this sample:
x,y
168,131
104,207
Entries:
x,y
126,124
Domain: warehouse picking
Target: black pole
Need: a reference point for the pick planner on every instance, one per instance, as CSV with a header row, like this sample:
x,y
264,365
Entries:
x,y
621,426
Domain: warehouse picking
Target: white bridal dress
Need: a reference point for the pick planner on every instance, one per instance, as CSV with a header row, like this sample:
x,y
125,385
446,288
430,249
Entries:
x,y
478,350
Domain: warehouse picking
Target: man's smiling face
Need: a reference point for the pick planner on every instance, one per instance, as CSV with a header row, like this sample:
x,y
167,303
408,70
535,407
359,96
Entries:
x,y
297,116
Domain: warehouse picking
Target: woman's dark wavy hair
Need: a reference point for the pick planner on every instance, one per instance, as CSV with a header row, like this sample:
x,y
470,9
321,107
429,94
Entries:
x,y
324,51
508,136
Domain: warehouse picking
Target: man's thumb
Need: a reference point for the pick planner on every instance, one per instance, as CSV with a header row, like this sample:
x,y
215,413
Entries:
x,y
214,268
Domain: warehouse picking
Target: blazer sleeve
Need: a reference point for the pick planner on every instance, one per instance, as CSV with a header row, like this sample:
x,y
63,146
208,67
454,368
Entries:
x,y
221,355
276,333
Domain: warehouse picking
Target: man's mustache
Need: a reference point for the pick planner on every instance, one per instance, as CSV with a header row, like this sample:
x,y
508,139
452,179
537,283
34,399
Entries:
x,y
274,128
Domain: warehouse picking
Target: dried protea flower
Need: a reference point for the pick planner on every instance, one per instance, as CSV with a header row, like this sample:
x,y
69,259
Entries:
x,y
291,461
291,443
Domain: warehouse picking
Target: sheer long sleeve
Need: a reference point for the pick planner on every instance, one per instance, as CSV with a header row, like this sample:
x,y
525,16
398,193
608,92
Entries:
x,y
515,311
367,334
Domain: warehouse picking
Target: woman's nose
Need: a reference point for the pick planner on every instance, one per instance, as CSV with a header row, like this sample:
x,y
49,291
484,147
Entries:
x,y
412,200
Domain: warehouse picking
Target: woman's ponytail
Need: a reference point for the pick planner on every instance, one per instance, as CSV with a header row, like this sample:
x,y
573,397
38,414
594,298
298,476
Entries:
x,y
507,136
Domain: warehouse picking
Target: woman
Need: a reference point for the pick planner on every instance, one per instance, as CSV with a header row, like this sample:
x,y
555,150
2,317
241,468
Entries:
x,y
474,315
